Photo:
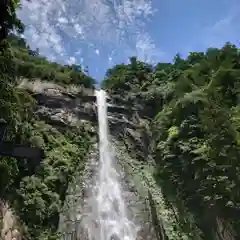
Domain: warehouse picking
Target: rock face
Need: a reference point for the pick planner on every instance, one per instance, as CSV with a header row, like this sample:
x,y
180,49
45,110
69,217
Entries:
x,y
61,106
72,217
9,226
141,208
64,108
143,212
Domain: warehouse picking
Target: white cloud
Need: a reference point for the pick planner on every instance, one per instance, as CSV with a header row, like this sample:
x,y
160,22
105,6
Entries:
x,y
62,20
97,51
65,29
146,48
78,28
71,60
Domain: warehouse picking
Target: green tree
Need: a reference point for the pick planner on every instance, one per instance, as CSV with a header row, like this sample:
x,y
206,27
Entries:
x,y
194,107
8,18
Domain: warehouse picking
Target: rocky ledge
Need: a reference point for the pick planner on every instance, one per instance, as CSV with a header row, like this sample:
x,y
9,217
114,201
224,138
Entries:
x,y
9,224
66,105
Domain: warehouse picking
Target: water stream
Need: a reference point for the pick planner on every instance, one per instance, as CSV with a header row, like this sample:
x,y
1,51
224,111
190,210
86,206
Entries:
x,y
108,209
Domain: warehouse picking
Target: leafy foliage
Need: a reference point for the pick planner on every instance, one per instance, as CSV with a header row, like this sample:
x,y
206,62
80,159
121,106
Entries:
x,y
36,195
30,64
8,18
16,108
194,105
40,196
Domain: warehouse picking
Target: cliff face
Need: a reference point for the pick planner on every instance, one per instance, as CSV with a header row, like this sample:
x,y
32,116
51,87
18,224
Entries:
x,y
60,106
8,223
65,108
155,217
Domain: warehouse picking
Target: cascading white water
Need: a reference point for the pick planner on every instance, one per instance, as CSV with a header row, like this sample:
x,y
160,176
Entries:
x,y
108,207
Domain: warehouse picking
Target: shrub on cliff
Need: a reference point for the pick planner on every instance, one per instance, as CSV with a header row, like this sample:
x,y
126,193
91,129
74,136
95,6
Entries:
x,y
36,196
40,197
30,64
195,106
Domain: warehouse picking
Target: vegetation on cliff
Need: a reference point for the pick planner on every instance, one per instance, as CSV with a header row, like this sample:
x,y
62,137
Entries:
x,y
194,106
8,18
30,64
35,192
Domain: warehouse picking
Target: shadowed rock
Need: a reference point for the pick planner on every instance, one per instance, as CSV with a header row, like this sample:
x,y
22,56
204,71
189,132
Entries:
x,y
112,108
20,151
10,149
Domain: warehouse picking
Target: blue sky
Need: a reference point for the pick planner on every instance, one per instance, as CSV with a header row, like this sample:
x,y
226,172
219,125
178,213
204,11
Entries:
x,y
102,33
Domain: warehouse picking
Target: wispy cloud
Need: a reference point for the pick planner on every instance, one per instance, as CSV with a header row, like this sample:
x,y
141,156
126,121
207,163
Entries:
x,y
218,31
65,29
71,60
146,48
225,29
97,51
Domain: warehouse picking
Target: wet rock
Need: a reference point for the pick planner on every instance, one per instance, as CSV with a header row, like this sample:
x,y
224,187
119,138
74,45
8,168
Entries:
x,y
114,237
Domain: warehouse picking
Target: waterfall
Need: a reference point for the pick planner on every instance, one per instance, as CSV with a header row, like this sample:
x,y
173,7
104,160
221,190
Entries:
x,y
108,209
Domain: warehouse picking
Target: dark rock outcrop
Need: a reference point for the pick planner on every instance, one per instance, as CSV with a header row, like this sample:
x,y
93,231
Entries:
x,y
60,107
